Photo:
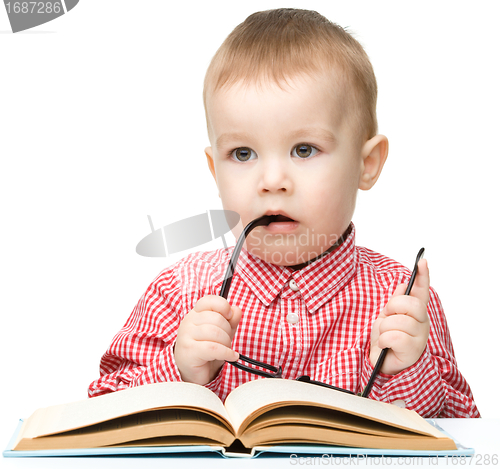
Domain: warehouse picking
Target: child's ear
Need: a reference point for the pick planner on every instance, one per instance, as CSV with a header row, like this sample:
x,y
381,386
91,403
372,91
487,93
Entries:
x,y
374,153
210,161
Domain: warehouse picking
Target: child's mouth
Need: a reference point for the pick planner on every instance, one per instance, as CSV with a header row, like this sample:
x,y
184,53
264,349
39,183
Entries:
x,y
282,223
282,218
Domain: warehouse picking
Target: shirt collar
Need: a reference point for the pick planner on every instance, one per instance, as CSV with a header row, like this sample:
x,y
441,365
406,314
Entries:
x,y
317,282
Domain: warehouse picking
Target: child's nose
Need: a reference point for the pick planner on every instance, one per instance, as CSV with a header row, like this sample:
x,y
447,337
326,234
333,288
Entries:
x,y
274,177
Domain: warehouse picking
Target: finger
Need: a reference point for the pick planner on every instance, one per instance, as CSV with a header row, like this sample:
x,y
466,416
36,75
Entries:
x,y
420,288
406,305
215,351
211,333
399,291
214,303
235,319
375,330
401,323
214,319
395,340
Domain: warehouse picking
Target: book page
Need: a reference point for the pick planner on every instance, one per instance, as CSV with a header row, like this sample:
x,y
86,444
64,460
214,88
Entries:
x,y
65,417
255,397
163,424
300,434
322,417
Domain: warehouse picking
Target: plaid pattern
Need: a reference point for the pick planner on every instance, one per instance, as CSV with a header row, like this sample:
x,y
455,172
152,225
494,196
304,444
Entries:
x,y
339,297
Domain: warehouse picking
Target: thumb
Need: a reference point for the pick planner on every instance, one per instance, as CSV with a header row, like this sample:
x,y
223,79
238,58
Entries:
x,y
421,287
234,320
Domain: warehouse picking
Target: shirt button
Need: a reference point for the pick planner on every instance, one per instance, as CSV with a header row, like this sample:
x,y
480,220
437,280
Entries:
x,y
293,285
292,318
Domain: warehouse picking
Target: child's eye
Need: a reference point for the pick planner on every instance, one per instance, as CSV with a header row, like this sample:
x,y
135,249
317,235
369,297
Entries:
x,y
243,154
304,151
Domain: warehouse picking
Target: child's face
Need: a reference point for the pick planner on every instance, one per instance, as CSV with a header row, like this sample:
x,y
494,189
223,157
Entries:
x,y
286,151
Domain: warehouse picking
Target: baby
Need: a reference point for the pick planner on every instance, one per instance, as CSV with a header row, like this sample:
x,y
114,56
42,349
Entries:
x,y
290,102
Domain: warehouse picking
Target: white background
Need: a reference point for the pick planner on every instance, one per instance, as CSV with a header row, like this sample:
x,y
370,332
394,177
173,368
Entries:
x,y
102,124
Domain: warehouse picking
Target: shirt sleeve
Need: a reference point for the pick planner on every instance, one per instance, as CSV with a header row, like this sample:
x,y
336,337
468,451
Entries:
x,y
142,351
433,386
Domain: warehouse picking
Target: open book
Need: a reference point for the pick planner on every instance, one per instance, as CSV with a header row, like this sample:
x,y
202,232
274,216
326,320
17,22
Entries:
x,y
258,413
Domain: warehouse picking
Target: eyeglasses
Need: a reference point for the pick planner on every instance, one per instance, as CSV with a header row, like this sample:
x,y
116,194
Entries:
x,y
276,372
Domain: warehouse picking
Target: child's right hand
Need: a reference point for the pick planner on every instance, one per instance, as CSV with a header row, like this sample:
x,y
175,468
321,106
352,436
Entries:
x,y
204,339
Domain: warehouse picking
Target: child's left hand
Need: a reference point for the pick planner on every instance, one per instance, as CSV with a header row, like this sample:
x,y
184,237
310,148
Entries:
x,y
403,325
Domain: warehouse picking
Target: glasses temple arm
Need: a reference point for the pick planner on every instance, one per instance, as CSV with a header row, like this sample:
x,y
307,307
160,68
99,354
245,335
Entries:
x,y
257,363
383,352
261,221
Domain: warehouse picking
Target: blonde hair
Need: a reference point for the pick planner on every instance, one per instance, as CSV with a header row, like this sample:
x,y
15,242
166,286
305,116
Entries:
x,y
286,43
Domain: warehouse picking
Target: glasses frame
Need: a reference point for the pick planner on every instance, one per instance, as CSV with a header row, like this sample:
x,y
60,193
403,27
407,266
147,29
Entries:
x,y
276,372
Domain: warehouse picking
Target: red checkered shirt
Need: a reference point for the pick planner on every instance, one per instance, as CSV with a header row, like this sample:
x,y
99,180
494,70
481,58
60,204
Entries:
x,y
315,321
